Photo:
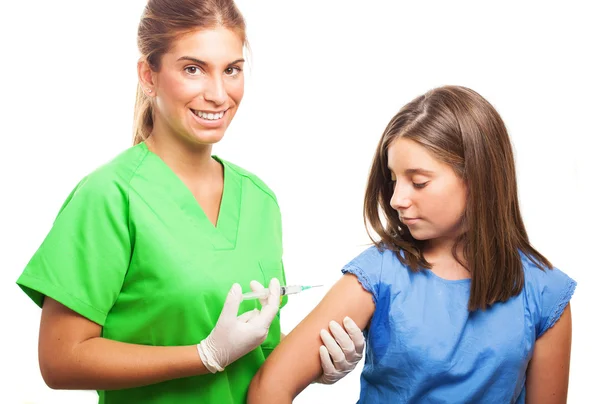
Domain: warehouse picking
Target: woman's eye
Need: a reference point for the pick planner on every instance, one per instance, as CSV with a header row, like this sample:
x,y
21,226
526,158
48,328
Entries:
x,y
232,71
420,185
193,70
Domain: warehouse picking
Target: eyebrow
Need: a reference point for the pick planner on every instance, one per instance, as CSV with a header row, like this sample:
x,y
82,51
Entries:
x,y
418,171
203,63
410,171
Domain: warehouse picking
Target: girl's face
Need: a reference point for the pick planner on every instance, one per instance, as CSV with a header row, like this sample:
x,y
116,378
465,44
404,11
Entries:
x,y
428,195
199,85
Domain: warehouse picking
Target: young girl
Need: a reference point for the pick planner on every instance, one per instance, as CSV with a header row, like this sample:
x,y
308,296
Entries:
x,y
455,303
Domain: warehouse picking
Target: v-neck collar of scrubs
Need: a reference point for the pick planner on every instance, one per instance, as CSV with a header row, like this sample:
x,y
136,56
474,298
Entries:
x,y
224,235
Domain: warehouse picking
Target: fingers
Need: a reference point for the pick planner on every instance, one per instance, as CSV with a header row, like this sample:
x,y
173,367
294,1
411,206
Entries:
x,y
342,338
326,362
249,315
270,309
355,334
274,289
344,345
257,287
274,294
336,353
232,302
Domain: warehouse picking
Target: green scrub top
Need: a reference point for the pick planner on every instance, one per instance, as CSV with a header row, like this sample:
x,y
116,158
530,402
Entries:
x,y
132,250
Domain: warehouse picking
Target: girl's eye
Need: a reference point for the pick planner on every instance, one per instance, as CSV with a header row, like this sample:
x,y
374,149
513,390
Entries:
x,y
420,186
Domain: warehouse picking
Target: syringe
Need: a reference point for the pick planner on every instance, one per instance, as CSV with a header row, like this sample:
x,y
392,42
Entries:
x,y
285,290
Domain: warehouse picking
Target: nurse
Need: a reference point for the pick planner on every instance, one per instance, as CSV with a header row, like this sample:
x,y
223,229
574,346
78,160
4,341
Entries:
x,y
133,277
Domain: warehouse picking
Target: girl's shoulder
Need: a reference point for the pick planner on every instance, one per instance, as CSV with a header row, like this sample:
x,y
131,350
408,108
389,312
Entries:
x,y
546,291
374,266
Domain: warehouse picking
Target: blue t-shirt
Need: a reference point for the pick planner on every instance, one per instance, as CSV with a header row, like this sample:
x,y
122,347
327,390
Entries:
x,y
424,346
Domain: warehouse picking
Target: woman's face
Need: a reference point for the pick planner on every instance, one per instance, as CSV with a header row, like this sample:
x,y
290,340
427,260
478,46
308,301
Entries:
x,y
199,85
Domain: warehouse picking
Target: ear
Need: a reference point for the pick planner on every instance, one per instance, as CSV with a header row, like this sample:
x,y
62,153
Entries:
x,y
146,77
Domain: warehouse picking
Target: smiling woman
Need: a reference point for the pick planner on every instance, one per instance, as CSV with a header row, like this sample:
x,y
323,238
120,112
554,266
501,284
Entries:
x,y
177,50
201,84
138,309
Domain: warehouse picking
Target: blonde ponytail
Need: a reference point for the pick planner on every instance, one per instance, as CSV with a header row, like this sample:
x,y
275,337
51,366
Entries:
x,y
142,116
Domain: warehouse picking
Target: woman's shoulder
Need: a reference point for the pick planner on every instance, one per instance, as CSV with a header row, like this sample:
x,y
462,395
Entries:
x,y
253,179
107,184
121,167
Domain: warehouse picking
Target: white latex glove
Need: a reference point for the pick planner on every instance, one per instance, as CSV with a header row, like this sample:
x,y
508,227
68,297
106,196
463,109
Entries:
x,y
340,356
234,336
257,287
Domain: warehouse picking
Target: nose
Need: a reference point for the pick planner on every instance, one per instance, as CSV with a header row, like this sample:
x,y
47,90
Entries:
x,y
400,198
215,91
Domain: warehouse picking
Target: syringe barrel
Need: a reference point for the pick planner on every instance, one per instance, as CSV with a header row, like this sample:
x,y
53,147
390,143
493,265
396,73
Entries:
x,y
290,289
261,294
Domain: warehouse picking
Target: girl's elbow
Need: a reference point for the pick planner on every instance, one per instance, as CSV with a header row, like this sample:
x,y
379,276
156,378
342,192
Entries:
x,y
263,390
256,389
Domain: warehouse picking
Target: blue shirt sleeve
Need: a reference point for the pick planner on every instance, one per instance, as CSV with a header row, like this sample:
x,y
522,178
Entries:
x,y
548,293
367,267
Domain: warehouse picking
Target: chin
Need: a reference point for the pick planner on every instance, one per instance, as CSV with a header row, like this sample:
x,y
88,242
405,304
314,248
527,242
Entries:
x,y
422,236
207,137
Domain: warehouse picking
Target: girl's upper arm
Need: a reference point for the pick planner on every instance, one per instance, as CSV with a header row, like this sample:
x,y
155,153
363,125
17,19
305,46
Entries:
x,y
548,371
295,363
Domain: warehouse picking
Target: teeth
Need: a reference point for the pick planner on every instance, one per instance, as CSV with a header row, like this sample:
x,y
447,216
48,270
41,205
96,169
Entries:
x,y
210,116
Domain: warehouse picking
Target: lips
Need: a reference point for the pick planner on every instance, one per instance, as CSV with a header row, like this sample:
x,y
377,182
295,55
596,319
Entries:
x,y
210,115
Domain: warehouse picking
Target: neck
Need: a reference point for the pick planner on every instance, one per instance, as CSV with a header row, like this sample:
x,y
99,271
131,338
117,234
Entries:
x,y
185,159
438,254
441,248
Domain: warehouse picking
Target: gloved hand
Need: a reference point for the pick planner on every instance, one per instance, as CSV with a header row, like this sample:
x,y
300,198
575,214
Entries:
x,y
257,287
340,356
234,336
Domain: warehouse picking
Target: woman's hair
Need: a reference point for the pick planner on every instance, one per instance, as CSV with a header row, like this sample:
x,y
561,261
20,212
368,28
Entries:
x,y
164,21
460,128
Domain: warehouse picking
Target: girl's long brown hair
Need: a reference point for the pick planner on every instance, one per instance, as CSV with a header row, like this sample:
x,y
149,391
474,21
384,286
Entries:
x,y
460,128
162,22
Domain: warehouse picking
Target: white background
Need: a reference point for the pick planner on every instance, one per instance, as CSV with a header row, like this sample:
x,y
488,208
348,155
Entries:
x,y
325,78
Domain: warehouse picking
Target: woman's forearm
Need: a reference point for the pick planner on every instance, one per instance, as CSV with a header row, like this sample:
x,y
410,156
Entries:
x,y
102,364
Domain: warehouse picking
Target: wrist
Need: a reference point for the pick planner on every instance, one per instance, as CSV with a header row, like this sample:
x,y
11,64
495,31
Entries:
x,y
206,352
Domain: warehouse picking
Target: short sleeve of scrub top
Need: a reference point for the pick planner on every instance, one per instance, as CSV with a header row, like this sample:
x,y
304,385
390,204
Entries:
x,y
84,258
